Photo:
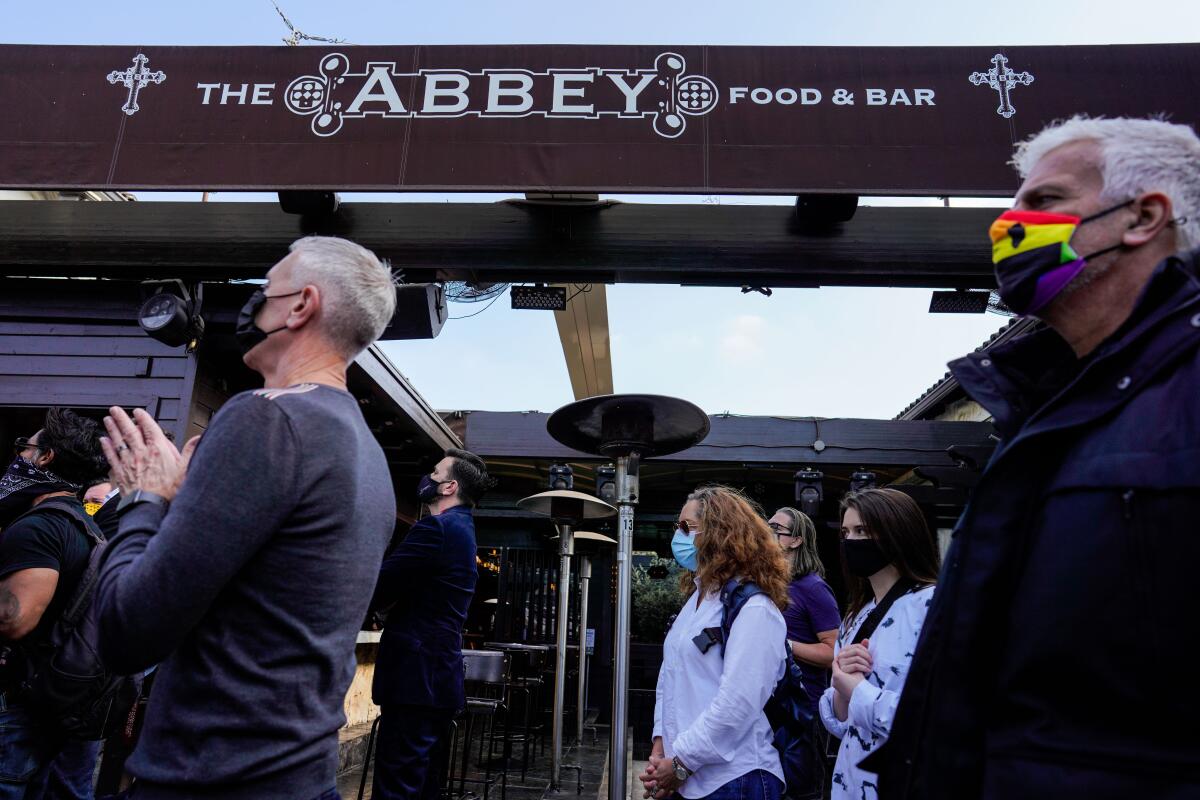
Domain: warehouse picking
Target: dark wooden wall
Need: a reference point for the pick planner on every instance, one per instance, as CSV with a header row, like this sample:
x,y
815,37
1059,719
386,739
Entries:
x,y
77,344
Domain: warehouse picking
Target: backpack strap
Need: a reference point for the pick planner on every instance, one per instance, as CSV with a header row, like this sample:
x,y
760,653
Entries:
x,y
85,524
898,590
78,604
734,595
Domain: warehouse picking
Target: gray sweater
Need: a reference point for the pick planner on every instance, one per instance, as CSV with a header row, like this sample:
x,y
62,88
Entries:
x,y
250,592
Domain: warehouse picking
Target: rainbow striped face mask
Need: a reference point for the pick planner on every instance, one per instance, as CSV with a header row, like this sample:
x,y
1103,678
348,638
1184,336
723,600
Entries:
x,y
1033,258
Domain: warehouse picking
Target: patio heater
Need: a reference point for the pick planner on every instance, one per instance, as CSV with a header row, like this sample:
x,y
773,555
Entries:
x,y
587,542
627,427
566,508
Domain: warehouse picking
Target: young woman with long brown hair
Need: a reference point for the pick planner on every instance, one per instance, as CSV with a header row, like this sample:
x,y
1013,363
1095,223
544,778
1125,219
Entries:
x,y
891,564
711,737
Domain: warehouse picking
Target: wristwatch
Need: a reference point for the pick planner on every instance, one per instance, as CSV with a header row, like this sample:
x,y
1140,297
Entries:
x,y
138,496
681,772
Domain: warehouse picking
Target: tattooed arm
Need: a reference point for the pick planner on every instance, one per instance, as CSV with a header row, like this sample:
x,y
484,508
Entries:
x,y
24,596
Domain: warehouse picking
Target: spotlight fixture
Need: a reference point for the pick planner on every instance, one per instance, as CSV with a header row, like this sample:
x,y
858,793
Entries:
x,y
171,315
539,297
561,477
862,479
809,491
606,483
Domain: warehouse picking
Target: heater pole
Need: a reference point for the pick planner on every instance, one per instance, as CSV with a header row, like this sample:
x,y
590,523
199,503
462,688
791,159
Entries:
x,y
627,497
566,547
585,578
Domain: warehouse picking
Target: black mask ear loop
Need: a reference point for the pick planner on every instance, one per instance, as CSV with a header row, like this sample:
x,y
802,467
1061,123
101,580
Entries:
x,y
1098,215
272,297
1107,211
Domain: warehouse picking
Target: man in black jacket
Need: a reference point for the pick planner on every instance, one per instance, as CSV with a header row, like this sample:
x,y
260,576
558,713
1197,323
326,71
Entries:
x,y
1051,661
427,582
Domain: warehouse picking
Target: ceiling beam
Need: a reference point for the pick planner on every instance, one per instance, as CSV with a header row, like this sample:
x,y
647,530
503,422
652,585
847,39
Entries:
x,y
583,331
761,442
512,241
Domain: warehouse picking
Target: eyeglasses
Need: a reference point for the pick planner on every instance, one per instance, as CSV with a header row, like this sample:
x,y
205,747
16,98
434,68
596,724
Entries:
x,y
780,530
682,525
22,443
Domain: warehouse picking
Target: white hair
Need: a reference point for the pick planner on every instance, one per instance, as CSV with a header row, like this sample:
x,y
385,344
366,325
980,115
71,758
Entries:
x,y
1136,156
358,291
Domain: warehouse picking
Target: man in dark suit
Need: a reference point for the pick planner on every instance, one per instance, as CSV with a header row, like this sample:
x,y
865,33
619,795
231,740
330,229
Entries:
x,y
427,581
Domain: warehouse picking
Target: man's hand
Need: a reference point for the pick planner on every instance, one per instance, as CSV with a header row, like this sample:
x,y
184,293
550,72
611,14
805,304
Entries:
x,y
141,456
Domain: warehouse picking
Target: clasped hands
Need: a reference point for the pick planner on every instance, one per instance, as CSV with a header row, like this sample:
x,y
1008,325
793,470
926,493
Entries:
x,y
659,780
140,455
851,666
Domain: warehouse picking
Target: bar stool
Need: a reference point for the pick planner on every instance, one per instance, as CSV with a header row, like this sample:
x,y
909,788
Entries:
x,y
528,661
487,678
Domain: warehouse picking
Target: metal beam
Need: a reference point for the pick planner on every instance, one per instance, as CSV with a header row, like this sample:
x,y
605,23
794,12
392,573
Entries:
x,y
583,331
605,242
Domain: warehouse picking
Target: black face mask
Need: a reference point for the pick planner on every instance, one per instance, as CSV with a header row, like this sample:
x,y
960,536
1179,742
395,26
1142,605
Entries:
x,y
248,334
863,557
427,489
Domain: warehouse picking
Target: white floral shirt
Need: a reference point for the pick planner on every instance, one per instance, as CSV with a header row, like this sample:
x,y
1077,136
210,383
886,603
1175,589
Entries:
x,y
873,703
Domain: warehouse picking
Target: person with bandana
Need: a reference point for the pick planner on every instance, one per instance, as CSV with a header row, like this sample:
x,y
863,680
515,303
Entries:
x,y
425,586
244,565
1050,662
43,553
890,562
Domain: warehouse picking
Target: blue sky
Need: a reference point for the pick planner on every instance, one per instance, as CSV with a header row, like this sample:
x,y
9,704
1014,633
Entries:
x,y
826,352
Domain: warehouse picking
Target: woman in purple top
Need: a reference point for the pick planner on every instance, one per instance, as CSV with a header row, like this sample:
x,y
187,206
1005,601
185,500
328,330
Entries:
x,y
812,619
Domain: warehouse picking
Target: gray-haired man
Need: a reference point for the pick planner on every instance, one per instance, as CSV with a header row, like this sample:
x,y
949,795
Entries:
x,y
250,578
1051,660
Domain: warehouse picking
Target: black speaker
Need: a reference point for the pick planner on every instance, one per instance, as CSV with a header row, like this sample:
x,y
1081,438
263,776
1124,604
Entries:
x,y
825,210
309,203
420,312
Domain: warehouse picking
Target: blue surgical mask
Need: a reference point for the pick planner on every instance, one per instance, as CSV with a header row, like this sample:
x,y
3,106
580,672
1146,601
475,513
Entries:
x,y
683,547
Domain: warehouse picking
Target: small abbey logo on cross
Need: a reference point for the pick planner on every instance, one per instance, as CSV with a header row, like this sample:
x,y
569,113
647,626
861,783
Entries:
x,y
1003,80
135,78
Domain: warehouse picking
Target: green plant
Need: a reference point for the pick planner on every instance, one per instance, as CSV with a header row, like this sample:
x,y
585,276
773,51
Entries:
x,y
655,600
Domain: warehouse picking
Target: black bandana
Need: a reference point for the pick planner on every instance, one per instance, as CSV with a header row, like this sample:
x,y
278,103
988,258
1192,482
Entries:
x,y
23,482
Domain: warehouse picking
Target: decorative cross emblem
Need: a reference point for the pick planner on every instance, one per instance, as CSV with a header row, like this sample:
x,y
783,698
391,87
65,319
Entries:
x,y
135,78
1003,80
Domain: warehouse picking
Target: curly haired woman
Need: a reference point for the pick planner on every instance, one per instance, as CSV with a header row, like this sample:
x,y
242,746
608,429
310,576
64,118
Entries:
x,y
711,737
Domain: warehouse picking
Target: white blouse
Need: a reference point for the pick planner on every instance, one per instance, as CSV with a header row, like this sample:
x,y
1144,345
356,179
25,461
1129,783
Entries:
x,y
873,702
709,710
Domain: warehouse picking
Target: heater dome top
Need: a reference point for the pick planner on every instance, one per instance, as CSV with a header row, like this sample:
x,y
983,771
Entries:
x,y
619,424
589,536
564,504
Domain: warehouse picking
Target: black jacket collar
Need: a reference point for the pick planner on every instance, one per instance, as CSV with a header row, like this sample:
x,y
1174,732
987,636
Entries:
x,y
1026,382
